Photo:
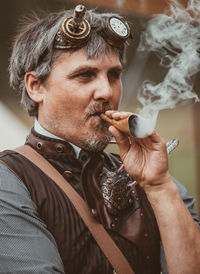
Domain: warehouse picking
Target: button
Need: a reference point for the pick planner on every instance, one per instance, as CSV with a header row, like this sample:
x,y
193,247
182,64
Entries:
x,y
113,225
39,145
94,212
67,174
109,180
141,214
59,148
146,235
148,257
130,201
133,191
83,156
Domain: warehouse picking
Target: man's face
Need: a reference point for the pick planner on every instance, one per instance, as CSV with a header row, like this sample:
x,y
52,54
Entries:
x,y
76,92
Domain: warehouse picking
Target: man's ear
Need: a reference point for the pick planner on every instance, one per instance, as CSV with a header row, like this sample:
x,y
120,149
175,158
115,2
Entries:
x,y
33,87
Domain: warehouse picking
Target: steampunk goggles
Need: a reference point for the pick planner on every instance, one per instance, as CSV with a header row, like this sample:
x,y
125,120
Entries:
x,y
75,31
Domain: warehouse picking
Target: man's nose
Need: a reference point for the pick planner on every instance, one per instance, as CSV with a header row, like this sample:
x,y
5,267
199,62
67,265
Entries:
x,y
103,89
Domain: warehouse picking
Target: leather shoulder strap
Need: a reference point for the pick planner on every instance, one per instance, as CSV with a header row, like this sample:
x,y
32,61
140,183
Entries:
x,y
105,242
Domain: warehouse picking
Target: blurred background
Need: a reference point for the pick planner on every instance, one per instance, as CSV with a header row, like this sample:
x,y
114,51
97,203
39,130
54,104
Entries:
x,y
182,122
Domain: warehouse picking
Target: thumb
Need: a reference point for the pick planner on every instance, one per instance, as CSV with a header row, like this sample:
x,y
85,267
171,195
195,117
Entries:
x,y
122,140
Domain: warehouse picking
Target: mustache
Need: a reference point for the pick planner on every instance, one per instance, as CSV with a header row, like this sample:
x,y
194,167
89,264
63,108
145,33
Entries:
x,y
97,109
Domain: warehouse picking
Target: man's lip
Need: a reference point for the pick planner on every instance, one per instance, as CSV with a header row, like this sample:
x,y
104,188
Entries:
x,y
96,114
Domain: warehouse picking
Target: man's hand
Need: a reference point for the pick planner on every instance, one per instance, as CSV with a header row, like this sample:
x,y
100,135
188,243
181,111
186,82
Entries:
x,y
144,159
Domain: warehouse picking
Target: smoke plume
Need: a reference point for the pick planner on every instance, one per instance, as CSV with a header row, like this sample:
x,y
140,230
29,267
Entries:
x,y
175,38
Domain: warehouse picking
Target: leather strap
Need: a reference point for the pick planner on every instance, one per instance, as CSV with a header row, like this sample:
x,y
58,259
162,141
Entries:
x,y
103,239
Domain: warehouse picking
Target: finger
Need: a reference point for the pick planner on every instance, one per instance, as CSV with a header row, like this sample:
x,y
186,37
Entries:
x,y
109,113
153,142
121,115
155,137
117,115
121,139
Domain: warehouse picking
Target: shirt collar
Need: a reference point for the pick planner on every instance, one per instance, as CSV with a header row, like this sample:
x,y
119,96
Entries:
x,y
39,129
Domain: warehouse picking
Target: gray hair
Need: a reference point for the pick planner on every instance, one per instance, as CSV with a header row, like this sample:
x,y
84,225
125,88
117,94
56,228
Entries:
x,y
33,49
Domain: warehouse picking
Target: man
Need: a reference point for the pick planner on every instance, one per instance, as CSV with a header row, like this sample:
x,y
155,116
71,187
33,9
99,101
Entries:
x,y
66,84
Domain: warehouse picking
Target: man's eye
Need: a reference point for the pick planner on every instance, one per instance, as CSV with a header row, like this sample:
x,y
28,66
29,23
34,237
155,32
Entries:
x,y
114,75
85,76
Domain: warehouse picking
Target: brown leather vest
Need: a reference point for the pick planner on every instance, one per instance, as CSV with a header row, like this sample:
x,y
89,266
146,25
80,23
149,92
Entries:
x,y
120,205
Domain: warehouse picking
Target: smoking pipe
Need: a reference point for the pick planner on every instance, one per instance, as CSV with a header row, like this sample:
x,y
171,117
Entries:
x,y
126,125
129,127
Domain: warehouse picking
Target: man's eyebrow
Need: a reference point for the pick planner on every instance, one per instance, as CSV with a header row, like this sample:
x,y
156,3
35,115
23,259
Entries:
x,y
118,68
82,69
85,68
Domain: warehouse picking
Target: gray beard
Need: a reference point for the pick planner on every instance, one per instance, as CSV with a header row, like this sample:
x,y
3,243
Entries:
x,y
93,144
